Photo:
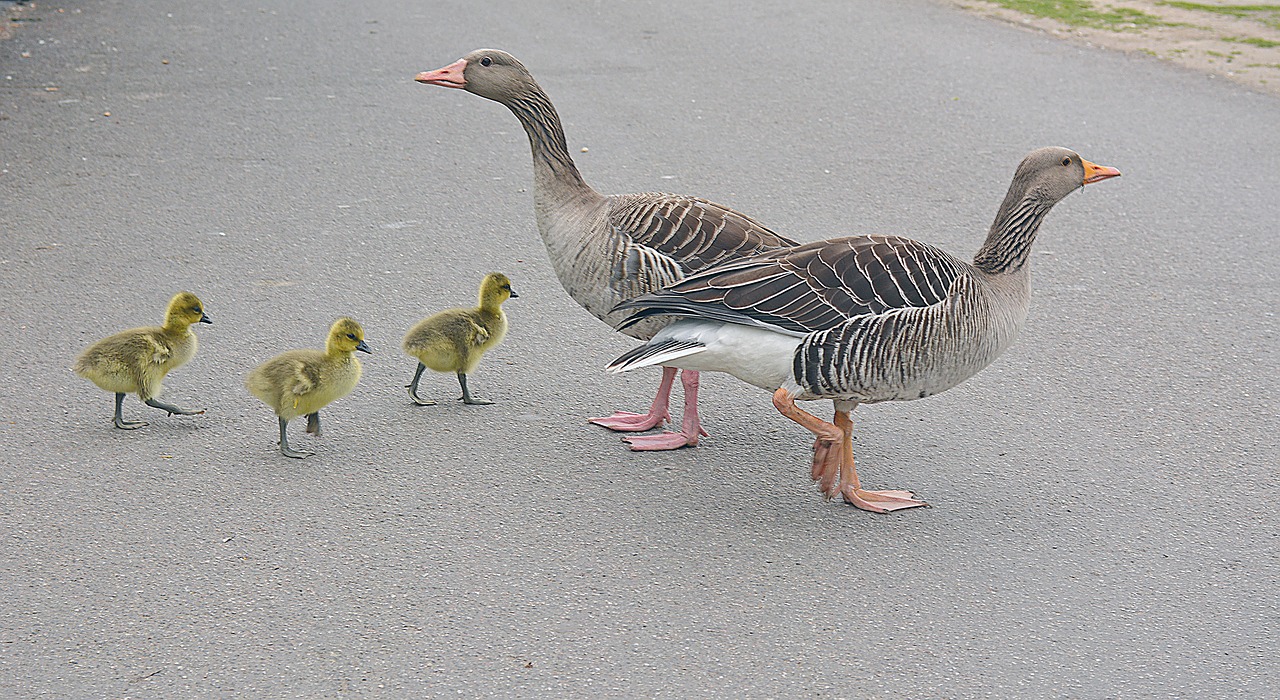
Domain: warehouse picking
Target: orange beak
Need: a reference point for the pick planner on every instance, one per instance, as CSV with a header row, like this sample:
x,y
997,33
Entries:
x,y
450,76
1096,173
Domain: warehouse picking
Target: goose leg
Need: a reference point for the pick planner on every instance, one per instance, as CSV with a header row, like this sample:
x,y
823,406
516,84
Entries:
x,y
313,423
690,425
467,398
833,466
874,501
173,410
413,387
284,443
627,422
119,420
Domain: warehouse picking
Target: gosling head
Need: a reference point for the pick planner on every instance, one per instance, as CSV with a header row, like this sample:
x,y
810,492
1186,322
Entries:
x,y
1049,174
495,289
346,335
489,73
185,309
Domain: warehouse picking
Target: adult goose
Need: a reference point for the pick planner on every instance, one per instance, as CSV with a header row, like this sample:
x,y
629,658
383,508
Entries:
x,y
609,248
861,319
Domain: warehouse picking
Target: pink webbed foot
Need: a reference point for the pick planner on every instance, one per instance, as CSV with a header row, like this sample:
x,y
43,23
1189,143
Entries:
x,y
880,501
627,422
690,428
664,441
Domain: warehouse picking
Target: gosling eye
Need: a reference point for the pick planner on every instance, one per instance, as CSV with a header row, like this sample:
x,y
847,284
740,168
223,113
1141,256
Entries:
x,y
1066,160
351,336
486,61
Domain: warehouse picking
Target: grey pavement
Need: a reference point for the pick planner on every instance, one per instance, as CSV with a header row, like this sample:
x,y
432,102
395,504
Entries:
x,y
1104,520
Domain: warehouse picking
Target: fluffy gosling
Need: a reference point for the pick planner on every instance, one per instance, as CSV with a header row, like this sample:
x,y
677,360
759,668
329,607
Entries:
x,y
136,360
455,339
301,382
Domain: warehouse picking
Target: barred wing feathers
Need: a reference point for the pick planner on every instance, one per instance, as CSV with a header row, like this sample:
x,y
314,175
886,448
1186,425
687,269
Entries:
x,y
813,287
661,238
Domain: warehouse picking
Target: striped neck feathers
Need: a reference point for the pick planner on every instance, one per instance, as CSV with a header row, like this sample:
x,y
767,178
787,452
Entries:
x,y
1009,242
546,135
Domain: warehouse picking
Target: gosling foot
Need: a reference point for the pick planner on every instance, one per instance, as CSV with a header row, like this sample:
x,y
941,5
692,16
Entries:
x,y
284,439
119,421
466,397
173,410
413,387
416,400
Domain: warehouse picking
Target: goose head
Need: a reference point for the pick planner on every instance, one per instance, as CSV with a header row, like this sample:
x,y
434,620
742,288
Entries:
x,y
495,289
489,73
185,309
1049,174
346,336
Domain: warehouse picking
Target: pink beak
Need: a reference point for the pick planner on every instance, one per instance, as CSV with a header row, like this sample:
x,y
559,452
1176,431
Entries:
x,y
450,76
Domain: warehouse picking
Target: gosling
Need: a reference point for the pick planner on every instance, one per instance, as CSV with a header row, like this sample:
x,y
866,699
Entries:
x,y
136,360
455,339
301,382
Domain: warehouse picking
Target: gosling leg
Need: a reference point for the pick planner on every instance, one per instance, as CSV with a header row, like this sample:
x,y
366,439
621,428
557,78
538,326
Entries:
x,y
413,387
173,410
119,420
467,398
284,444
313,423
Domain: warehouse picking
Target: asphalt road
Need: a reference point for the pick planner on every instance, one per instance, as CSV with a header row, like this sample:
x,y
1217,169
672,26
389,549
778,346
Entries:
x,y
1104,520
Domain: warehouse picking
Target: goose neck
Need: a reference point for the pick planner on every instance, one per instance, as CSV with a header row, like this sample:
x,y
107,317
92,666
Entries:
x,y
551,160
1009,241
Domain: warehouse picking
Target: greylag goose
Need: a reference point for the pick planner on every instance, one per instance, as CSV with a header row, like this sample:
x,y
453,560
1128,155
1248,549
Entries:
x,y
861,319
609,248
454,340
301,382
136,360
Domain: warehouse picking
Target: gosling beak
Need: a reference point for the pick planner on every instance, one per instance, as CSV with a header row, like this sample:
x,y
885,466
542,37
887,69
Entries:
x,y
363,348
450,76
514,295
1096,173
204,318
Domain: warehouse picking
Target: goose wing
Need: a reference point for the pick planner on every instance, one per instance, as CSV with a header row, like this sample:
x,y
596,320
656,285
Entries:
x,y
812,287
660,238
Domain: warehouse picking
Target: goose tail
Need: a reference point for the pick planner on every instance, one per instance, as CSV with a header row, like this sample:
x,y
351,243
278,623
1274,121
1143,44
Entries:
x,y
654,353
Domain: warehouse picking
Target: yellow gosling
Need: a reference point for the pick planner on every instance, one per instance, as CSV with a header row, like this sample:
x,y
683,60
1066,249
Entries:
x,y
455,339
136,360
301,382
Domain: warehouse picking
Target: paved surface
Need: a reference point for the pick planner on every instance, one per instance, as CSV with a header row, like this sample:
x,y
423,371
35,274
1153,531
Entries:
x,y
1105,500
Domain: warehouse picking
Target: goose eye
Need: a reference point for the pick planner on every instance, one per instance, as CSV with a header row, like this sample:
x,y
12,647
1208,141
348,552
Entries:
x,y
1066,160
196,309
351,336
486,61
